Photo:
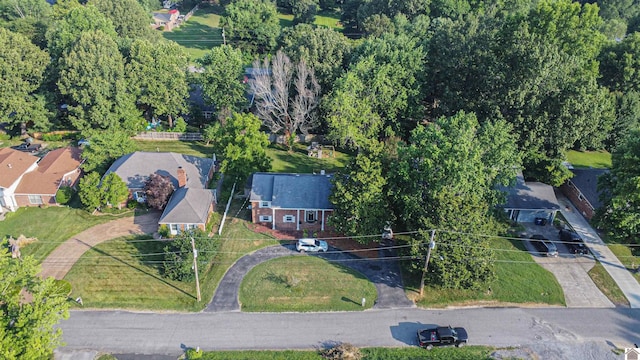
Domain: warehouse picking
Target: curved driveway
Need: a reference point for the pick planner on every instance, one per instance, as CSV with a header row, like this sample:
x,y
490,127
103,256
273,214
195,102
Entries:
x,y
62,259
385,274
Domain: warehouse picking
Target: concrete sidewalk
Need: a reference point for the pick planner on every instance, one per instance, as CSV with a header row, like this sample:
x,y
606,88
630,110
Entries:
x,y
627,283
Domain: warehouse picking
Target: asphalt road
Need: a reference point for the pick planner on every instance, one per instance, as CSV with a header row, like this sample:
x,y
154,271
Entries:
x,y
169,334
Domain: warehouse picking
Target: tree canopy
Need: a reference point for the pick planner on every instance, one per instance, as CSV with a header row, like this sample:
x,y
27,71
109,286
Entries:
x,y
27,326
22,65
221,80
252,24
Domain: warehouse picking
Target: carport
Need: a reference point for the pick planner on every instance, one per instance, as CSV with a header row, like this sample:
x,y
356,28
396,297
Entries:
x,y
528,201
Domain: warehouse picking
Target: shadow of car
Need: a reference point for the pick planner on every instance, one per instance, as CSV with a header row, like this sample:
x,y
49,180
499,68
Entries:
x,y
543,245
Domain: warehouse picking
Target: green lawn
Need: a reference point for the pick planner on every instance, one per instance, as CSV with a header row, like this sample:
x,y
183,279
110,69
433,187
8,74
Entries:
x,y
404,353
324,18
519,280
200,33
589,159
115,275
195,148
50,225
299,161
305,283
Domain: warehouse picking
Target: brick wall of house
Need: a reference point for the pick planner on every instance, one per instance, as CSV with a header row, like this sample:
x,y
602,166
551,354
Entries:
x,y
300,222
581,203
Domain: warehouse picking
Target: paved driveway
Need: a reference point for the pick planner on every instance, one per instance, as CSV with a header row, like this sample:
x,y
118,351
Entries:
x,y
62,259
385,274
570,270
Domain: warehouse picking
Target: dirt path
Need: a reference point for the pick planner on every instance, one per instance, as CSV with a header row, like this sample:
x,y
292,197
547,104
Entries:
x,y
60,261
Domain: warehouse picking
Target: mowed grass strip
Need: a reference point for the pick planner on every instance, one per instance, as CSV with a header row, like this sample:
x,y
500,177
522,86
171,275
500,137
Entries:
x,y
404,353
589,159
50,225
305,283
607,285
519,279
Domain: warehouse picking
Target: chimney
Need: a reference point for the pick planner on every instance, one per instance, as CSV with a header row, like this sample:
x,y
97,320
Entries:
x,y
182,177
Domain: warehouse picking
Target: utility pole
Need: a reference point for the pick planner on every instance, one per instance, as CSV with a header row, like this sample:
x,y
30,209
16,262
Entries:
x,y
195,266
432,244
224,39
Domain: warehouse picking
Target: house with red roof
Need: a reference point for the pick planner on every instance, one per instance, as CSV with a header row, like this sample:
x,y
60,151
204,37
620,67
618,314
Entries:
x,y
27,180
166,20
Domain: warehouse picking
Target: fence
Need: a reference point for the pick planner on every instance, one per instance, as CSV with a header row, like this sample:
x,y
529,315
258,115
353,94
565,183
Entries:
x,y
155,135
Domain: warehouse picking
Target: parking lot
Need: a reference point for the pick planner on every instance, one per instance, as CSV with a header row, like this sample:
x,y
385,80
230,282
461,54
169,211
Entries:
x,y
570,270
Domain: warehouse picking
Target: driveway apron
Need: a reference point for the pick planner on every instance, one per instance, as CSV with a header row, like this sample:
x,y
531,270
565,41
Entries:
x,y
627,283
62,259
385,274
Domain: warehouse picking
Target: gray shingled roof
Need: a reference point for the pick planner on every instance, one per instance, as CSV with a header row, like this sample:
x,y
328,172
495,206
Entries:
x,y
292,191
135,168
188,206
586,180
531,196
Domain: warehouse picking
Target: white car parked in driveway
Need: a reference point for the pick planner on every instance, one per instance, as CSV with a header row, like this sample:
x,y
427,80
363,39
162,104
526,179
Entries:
x,y
311,245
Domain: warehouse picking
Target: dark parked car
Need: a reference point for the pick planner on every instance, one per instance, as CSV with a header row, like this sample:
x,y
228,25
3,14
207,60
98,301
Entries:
x,y
28,147
543,245
442,336
573,241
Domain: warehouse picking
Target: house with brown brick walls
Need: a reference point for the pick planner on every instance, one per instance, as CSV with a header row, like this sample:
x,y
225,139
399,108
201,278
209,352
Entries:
x,y
291,201
36,181
582,190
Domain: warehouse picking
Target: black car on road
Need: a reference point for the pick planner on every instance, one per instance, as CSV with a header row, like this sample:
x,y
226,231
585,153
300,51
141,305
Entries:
x,y
442,336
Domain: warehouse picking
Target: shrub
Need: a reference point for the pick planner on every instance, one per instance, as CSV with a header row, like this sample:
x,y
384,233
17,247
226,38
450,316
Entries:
x,y
163,230
52,137
64,194
194,353
344,351
179,126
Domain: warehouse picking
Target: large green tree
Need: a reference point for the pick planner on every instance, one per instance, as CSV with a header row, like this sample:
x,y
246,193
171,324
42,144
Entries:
x,y
446,178
114,190
252,25
92,77
358,196
27,326
221,81
158,73
22,65
70,21
27,17
129,18
89,191
620,191
324,49
241,145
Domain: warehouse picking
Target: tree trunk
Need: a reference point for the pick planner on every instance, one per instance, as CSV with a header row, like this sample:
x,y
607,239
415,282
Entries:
x,y
170,119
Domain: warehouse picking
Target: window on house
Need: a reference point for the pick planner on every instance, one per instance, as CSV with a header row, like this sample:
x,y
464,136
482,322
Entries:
x,y
580,197
289,218
174,228
310,216
265,218
265,204
192,226
35,199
